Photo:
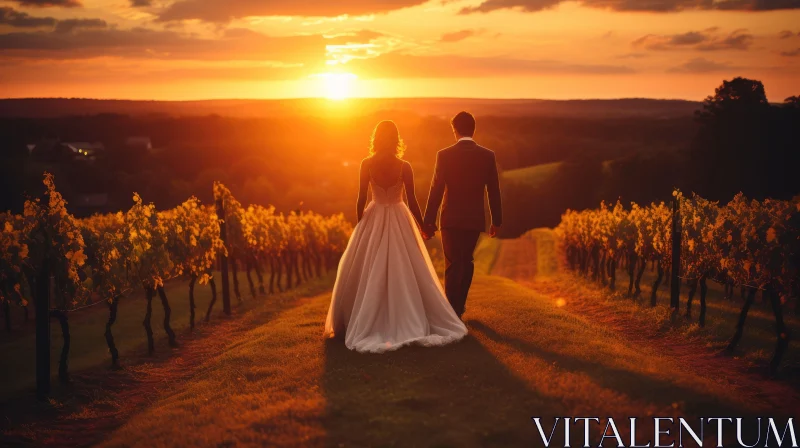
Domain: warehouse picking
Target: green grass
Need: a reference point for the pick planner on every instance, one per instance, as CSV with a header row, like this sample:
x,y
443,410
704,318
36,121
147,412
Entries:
x,y
486,254
545,250
534,175
757,344
281,383
88,348
758,341
269,378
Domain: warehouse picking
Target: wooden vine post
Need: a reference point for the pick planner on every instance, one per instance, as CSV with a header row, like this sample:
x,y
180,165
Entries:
x,y
42,304
675,281
223,233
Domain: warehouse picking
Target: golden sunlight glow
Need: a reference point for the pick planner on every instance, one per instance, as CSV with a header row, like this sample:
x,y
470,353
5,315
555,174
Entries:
x,y
336,86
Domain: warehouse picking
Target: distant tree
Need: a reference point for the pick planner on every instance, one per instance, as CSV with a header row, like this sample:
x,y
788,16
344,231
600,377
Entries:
x,y
792,101
645,176
738,96
732,151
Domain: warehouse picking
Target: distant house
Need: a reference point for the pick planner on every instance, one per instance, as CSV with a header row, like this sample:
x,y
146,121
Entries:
x,y
85,151
54,150
140,142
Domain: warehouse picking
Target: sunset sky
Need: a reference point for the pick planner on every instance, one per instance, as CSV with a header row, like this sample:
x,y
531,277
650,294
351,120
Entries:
x,y
202,49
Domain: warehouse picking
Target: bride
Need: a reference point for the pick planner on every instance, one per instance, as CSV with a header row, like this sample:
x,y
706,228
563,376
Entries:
x,y
387,294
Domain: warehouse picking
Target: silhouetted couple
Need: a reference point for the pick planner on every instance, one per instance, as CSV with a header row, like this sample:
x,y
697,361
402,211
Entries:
x,y
387,293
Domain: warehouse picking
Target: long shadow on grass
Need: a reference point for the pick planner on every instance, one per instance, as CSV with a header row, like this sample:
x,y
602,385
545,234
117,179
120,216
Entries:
x,y
457,395
636,385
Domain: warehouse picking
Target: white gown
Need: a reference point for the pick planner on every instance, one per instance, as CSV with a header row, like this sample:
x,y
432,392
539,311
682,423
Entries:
x,y
387,294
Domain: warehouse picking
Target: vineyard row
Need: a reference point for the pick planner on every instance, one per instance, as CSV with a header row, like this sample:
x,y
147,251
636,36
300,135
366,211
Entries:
x,y
746,243
66,264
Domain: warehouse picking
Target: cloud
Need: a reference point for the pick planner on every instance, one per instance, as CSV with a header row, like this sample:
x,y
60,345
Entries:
x,y
638,5
354,36
458,36
655,42
701,65
737,40
19,19
632,56
523,5
706,40
785,34
222,11
791,53
399,65
233,44
69,25
48,3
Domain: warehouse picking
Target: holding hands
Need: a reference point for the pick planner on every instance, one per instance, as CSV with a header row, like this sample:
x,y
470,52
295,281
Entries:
x,y
427,232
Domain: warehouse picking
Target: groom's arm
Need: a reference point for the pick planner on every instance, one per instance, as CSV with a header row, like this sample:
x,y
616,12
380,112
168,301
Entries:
x,y
435,196
493,189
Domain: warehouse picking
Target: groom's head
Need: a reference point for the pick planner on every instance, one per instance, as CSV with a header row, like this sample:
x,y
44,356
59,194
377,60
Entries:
x,y
463,124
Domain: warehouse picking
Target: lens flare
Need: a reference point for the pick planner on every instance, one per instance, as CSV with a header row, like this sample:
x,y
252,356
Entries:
x,y
336,86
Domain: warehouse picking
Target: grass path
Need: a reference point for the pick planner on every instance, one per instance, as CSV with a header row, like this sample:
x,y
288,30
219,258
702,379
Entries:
x,y
282,384
268,378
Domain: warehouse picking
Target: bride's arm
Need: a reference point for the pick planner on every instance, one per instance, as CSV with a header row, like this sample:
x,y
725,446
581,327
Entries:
x,y
363,187
411,195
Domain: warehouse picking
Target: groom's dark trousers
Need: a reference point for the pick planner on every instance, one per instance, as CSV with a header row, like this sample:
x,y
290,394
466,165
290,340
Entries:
x,y
464,173
459,246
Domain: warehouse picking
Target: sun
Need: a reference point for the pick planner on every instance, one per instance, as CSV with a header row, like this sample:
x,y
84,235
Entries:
x,y
336,86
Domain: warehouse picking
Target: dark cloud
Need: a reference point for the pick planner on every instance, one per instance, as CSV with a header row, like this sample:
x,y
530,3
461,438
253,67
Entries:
x,y
655,42
785,34
458,36
523,5
235,44
701,65
397,65
226,10
48,3
140,3
19,19
639,5
706,40
791,53
69,25
737,40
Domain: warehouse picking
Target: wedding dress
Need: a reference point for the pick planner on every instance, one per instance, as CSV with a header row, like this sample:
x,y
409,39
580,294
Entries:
x,y
387,294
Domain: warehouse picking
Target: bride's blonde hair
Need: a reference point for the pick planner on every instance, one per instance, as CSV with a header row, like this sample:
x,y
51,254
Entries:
x,y
386,140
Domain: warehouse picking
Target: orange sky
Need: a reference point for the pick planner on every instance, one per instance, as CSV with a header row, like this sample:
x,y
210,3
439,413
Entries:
x,y
196,49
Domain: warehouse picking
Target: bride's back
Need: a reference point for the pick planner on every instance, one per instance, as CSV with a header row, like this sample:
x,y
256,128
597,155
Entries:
x,y
390,176
385,171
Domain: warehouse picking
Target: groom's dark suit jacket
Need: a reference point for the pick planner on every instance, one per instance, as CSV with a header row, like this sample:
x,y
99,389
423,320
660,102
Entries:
x,y
463,173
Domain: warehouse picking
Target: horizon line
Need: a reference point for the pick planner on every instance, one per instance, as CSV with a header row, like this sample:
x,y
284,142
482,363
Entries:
x,y
350,99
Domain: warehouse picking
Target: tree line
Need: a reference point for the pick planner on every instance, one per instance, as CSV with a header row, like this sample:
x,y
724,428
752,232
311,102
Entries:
x,y
741,142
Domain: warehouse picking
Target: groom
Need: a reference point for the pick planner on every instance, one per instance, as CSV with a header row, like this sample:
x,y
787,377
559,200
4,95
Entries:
x,y
463,173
